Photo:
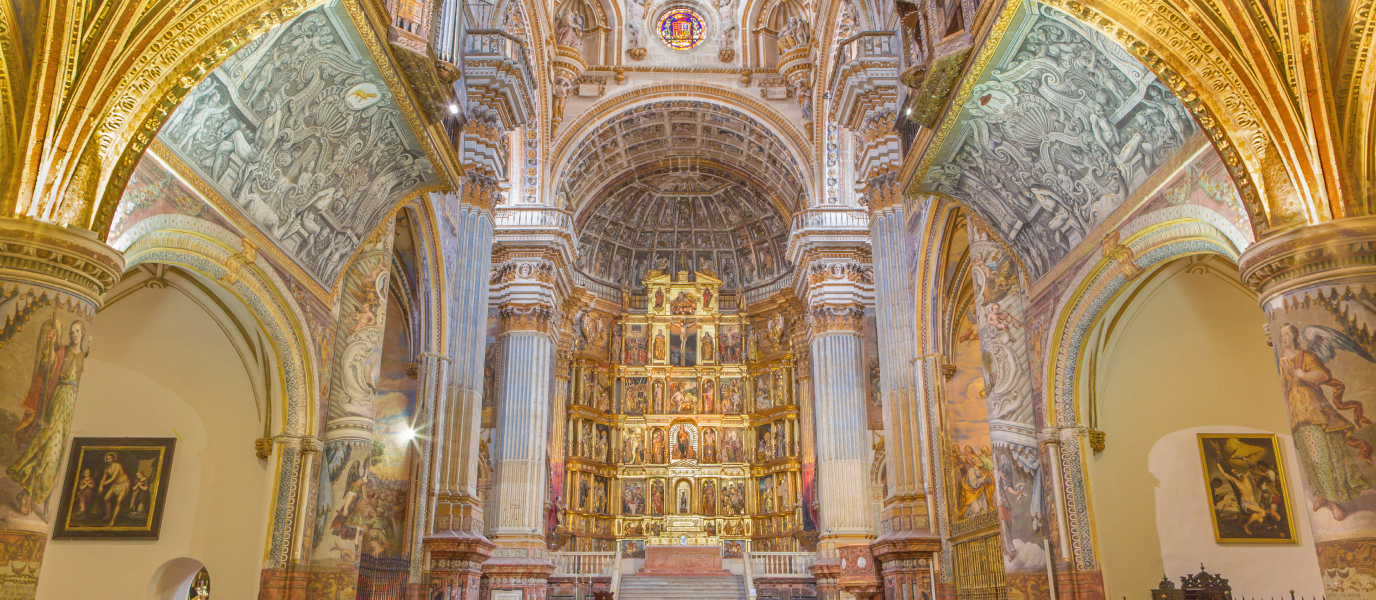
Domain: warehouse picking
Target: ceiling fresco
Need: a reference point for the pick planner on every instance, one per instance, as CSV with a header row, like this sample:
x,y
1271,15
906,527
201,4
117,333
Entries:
x,y
684,220
300,133
1060,129
684,132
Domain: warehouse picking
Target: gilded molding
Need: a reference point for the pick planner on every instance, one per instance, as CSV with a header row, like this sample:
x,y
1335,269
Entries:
x,y
69,259
1310,255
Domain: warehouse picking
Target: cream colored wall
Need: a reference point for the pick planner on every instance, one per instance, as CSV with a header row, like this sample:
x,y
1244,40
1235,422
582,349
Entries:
x,y
1187,356
160,366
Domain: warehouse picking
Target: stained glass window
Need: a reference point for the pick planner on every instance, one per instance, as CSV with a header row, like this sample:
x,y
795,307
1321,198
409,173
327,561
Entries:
x,y
681,29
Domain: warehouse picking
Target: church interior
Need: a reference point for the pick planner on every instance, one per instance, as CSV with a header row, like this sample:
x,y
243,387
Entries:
x,y
713,299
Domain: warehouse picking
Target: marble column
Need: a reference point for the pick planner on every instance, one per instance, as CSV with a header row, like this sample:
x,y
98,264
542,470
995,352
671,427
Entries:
x,y
343,476
454,538
1019,476
1317,286
523,419
840,385
52,280
906,543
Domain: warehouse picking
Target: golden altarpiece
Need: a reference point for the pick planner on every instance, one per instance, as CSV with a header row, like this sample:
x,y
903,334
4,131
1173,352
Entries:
x,y
689,431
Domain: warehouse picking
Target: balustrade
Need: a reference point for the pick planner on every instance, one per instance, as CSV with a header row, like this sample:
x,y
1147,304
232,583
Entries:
x,y
781,564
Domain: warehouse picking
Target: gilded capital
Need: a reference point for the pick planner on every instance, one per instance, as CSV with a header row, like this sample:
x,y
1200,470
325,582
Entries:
x,y
1310,255
536,318
70,259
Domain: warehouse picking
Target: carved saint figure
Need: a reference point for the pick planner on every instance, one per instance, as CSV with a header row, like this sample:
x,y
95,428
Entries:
x,y
659,346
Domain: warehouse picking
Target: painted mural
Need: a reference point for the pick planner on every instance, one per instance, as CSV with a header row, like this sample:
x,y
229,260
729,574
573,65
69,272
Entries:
x,y
1018,473
1326,355
1058,133
299,131
970,460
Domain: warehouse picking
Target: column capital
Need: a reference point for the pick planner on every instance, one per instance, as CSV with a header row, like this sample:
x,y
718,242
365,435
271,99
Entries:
x,y
69,259
836,319
527,317
1309,255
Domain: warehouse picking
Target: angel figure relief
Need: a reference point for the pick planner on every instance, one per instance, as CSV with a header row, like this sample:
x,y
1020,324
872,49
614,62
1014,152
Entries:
x,y
1338,465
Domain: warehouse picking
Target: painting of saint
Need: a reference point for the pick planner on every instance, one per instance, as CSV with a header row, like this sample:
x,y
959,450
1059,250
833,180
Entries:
x,y
763,396
733,497
764,447
659,396
709,404
683,397
636,351
709,497
781,395
731,445
634,401
767,494
731,402
1248,493
41,436
120,492
632,452
633,498
729,344
974,479
657,497
658,446
709,444
685,497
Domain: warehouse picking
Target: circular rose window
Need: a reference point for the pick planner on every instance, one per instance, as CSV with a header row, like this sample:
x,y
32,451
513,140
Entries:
x,y
682,29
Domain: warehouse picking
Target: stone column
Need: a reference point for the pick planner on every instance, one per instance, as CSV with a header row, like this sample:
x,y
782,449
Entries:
x,y
530,285
1317,286
52,280
906,543
454,539
343,478
1024,518
839,381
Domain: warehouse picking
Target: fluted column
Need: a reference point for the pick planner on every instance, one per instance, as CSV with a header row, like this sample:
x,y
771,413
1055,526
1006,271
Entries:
x,y
839,388
362,311
907,542
52,280
1019,474
1317,286
454,537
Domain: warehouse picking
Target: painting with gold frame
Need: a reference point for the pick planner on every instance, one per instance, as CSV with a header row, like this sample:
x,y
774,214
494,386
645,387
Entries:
x,y
116,488
1248,492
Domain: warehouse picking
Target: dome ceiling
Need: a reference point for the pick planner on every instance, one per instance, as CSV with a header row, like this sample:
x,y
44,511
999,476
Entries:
x,y
681,132
679,219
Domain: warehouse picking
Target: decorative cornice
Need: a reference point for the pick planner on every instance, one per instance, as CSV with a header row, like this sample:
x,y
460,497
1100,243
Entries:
x,y
1309,255
72,259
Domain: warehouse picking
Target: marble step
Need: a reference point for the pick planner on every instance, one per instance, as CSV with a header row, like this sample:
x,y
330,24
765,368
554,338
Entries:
x,y
646,587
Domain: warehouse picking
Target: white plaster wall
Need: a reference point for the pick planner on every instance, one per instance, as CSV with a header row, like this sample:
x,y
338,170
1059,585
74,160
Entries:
x,y
1188,356
161,367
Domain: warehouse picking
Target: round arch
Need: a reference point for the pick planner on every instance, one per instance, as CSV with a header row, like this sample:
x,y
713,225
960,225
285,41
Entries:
x,y
210,251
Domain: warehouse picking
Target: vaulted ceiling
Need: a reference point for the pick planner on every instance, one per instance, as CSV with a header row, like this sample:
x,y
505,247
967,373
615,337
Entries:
x,y
301,134
667,133
1057,133
683,185
684,219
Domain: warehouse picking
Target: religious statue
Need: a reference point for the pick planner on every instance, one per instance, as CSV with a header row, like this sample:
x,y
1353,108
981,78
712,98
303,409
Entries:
x,y
683,504
708,397
659,298
657,447
708,347
707,298
726,14
709,498
659,346
568,28
797,32
635,29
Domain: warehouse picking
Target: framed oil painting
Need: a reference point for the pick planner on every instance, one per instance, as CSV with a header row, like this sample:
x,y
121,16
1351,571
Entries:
x,y
116,488
1249,497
